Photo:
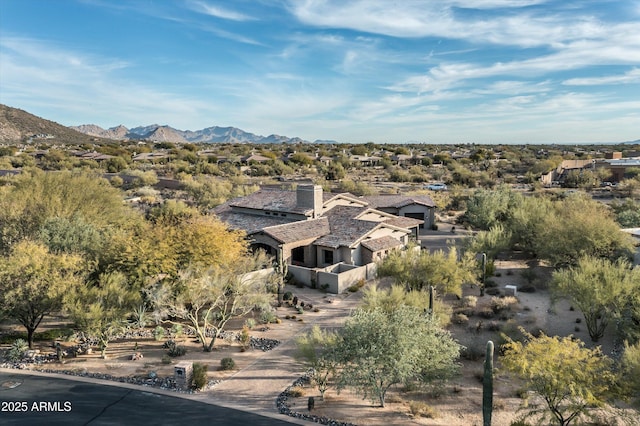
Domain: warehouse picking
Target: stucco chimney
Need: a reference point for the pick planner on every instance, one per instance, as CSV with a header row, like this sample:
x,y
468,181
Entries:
x,y
310,197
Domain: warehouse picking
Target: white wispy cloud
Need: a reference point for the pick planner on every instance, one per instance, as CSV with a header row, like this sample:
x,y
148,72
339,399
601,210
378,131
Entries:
x,y
416,18
632,76
218,12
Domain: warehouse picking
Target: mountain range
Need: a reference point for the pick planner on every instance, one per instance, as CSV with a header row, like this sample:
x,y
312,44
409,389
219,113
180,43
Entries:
x,y
158,133
18,125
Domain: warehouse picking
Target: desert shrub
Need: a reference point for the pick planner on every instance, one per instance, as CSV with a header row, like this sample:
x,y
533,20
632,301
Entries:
x,y
509,272
159,333
244,338
578,320
519,423
469,301
199,375
53,334
176,330
175,350
473,352
166,359
267,317
227,364
17,350
357,286
294,300
287,296
422,409
460,319
529,275
250,323
316,309
499,304
490,268
528,288
300,310
296,391
487,313
510,330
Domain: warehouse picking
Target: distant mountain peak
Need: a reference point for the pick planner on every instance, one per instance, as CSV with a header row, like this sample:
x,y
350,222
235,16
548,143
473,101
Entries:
x,y
166,133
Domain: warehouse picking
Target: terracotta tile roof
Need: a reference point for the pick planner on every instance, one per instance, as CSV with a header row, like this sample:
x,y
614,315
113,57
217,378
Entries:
x,y
298,231
382,243
397,201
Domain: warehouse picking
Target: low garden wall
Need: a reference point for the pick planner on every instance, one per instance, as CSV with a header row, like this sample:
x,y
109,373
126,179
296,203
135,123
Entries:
x,y
335,278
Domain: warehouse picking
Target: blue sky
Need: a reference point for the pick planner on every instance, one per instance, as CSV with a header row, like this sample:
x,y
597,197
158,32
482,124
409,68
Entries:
x,y
434,71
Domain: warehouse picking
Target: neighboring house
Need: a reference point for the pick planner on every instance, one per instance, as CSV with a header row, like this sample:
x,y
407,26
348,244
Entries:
x,y
420,207
150,156
309,228
96,156
255,158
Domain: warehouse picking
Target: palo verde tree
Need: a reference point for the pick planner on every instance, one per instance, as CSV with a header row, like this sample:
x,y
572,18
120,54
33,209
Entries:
x,y
208,298
101,309
379,349
33,282
392,298
317,349
599,288
570,378
33,199
578,226
420,269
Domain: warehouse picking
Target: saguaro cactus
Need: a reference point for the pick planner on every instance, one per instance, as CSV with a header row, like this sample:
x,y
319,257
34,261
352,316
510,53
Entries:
x,y
431,295
487,386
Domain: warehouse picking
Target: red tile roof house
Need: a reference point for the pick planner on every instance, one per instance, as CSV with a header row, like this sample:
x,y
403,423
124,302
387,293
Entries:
x,y
331,239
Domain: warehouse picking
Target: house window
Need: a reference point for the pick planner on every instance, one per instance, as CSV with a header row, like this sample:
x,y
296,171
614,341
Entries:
x,y
297,255
283,215
328,256
267,213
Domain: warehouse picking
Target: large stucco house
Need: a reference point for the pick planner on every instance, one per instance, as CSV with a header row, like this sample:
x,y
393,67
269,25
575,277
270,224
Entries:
x,y
313,229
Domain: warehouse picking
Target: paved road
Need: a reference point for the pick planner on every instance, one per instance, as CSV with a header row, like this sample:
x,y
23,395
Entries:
x,y
72,402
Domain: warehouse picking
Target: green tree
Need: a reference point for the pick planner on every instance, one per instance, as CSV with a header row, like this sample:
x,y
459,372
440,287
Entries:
x,y
567,376
491,242
627,213
63,235
116,164
524,220
208,298
578,226
33,282
101,310
392,298
33,198
487,208
379,350
630,373
599,288
317,350
416,270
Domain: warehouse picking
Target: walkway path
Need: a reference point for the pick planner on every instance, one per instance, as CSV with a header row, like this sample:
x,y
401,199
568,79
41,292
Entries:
x,y
257,386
